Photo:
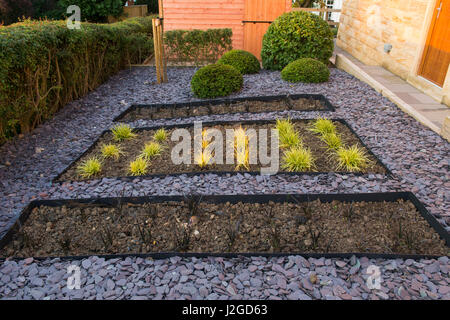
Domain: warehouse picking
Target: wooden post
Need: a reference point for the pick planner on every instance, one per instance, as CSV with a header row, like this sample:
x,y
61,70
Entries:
x,y
161,73
161,9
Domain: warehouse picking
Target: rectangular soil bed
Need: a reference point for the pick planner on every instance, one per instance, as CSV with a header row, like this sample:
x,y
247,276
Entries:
x,y
301,102
324,159
364,224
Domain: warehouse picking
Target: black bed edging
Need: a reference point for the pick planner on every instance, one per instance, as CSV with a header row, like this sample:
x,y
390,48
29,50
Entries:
x,y
319,97
219,173
258,198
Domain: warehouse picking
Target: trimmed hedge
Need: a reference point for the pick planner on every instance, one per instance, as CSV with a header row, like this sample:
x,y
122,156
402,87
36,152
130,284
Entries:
x,y
216,80
243,61
296,35
306,70
44,65
197,46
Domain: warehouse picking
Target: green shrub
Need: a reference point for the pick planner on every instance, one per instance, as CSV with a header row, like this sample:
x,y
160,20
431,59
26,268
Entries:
x,y
94,11
305,70
296,35
241,60
216,80
197,46
61,65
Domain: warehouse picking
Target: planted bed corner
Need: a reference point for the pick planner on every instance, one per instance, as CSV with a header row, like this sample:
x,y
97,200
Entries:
x,y
378,225
260,104
323,158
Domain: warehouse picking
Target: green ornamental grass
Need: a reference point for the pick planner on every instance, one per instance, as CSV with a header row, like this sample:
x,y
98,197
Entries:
x,y
90,167
123,132
160,135
298,159
332,140
138,167
151,149
351,159
323,126
111,151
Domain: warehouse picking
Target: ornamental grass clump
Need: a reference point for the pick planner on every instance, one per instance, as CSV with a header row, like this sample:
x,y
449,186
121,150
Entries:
x,y
160,135
332,140
290,139
111,151
151,150
241,149
323,126
351,159
90,167
203,158
138,167
288,136
298,159
123,132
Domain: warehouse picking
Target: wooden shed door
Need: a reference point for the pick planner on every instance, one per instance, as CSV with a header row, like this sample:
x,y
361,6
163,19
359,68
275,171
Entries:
x,y
436,57
257,18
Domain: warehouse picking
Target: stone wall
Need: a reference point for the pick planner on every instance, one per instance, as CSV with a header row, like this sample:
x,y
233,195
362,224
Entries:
x,y
367,25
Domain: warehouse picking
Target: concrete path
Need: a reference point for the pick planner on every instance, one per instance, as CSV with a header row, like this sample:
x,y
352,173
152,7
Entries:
x,y
411,100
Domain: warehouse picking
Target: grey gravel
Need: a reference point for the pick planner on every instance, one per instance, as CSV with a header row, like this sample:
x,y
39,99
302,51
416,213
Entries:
x,y
418,158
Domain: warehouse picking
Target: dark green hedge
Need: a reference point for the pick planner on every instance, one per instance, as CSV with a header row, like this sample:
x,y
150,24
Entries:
x,y
306,70
296,35
216,80
197,46
44,65
243,61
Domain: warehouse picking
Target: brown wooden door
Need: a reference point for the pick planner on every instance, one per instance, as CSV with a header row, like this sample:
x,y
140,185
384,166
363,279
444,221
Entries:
x,y
436,57
257,18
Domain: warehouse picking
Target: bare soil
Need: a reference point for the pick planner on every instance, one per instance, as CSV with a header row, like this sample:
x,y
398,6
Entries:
x,y
195,226
325,160
155,113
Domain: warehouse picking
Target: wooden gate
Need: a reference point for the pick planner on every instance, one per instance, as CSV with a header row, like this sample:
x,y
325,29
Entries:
x,y
436,57
258,15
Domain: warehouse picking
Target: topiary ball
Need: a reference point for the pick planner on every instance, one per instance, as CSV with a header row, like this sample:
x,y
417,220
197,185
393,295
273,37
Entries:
x,y
296,35
216,80
306,70
243,61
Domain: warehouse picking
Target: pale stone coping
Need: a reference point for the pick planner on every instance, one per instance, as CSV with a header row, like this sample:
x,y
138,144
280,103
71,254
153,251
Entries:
x,y
347,65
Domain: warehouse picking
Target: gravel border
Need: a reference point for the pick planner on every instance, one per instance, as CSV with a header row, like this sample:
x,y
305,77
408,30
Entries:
x,y
418,158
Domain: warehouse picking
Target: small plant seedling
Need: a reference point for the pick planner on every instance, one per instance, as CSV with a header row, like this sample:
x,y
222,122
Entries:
x,y
111,151
349,214
241,149
351,159
275,238
123,132
298,159
90,167
315,236
106,235
160,135
290,139
193,201
232,232
138,167
182,238
332,140
151,149
323,126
